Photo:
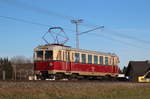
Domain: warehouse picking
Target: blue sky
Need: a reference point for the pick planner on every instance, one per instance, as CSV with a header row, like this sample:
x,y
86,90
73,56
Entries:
x,y
123,17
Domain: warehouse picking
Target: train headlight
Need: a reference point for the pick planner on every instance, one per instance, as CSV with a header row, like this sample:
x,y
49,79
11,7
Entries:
x,y
50,64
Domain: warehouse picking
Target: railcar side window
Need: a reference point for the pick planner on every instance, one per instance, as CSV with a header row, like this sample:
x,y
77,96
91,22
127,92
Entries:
x,y
72,56
39,54
95,59
110,61
48,55
68,57
77,57
113,61
101,60
106,60
59,56
90,59
83,58
63,56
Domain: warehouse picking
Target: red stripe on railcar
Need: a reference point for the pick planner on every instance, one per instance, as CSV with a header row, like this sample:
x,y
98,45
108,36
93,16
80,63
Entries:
x,y
71,66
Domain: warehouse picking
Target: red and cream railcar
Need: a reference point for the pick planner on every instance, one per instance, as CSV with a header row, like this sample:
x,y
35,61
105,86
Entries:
x,y
58,61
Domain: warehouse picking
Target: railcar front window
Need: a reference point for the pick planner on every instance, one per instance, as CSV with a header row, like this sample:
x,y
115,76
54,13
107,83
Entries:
x,y
48,55
39,54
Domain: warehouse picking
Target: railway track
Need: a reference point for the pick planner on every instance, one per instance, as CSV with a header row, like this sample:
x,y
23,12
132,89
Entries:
x,y
98,81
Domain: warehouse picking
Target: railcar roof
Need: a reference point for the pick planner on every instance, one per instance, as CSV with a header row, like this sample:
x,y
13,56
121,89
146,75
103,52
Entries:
x,y
63,47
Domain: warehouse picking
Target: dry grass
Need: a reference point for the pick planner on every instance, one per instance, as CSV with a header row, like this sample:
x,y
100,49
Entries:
x,y
74,90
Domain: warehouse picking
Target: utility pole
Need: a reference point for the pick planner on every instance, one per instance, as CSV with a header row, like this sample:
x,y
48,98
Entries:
x,y
77,22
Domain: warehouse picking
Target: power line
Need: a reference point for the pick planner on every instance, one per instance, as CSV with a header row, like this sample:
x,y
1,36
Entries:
x,y
48,12
30,22
127,36
37,9
120,41
24,21
44,11
39,24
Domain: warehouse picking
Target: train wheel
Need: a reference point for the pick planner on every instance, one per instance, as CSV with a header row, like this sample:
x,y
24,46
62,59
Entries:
x,y
42,78
59,76
74,77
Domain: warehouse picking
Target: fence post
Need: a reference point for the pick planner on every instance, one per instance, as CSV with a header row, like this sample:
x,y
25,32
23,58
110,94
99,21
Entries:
x,y
4,75
20,74
14,72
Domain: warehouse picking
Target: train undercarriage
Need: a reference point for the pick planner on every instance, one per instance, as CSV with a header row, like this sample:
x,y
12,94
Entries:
x,y
44,75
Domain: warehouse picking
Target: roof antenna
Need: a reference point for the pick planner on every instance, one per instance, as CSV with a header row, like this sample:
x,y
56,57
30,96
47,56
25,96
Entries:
x,y
57,34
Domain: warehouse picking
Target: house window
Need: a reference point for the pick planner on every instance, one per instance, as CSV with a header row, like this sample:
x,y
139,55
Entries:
x,y
77,57
95,59
90,59
148,75
101,60
106,60
83,58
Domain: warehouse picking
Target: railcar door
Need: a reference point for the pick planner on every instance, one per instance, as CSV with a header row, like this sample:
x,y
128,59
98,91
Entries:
x,y
68,63
113,66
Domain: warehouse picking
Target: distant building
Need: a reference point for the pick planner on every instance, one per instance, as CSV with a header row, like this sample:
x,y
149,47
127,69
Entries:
x,y
137,68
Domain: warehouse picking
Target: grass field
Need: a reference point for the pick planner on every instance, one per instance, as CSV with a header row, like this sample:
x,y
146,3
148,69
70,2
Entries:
x,y
74,90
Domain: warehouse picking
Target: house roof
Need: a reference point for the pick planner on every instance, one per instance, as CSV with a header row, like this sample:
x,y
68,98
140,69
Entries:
x,y
137,68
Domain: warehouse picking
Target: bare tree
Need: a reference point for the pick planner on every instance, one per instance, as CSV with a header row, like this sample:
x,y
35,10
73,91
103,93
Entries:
x,y
20,60
5,66
21,65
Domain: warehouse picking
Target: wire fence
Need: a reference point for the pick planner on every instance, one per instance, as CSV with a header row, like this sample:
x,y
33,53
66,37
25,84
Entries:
x,y
19,72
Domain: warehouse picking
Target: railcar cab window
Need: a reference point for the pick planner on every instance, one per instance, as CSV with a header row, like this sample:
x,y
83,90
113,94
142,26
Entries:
x,y
83,58
95,59
101,60
39,54
90,59
48,55
77,57
106,60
